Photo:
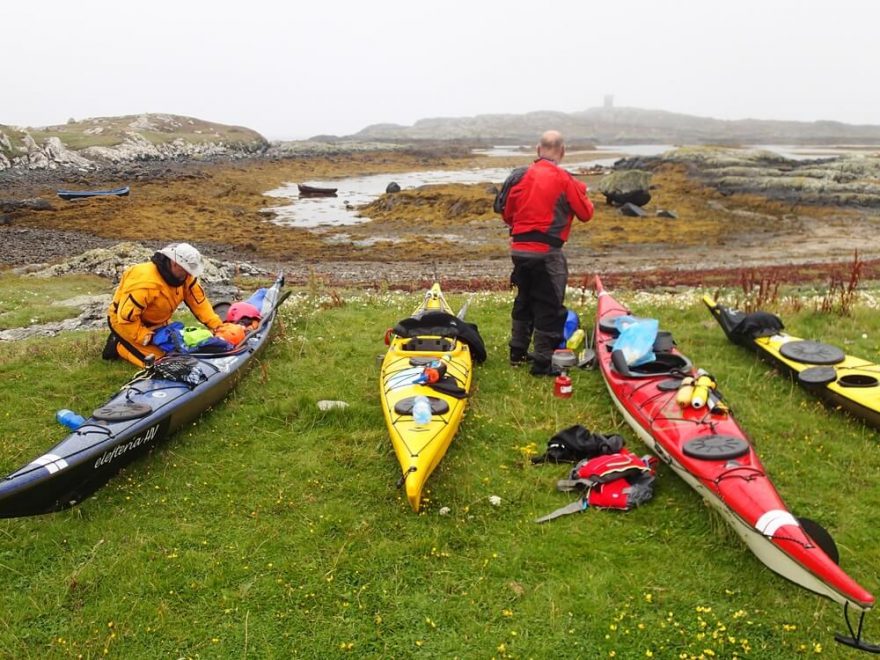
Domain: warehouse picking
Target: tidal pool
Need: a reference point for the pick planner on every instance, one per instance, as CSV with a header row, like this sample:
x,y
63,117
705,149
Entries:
x,y
312,212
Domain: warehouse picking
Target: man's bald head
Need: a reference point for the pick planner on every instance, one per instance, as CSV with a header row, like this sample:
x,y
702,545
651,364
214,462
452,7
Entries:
x,y
551,146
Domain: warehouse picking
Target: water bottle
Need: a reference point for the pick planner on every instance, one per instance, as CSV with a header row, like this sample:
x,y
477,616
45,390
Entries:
x,y
69,418
421,410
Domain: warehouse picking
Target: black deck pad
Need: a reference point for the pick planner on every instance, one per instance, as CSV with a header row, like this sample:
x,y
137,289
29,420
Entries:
x,y
817,376
812,352
715,447
669,385
122,411
405,406
449,385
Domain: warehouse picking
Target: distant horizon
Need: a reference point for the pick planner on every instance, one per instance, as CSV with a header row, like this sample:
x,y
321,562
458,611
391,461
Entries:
x,y
303,136
615,107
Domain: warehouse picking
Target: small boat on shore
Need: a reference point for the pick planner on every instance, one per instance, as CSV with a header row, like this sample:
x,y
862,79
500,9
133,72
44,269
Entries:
x,y
706,447
315,191
840,380
70,195
169,394
430,356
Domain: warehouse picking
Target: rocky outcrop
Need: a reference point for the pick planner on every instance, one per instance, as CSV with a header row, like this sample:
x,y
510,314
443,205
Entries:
x,y
848,180
110,262
123,140
316,147
619,125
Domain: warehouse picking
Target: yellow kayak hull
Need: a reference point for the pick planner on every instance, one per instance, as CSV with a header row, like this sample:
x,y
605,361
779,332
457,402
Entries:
x,y
419,448
844,381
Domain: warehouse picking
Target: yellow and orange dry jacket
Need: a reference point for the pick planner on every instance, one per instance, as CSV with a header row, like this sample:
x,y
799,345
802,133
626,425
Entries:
x,y
144,301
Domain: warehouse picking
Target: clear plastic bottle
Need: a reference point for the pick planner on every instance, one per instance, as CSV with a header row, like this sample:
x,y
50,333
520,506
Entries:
x,y
69,418
421,410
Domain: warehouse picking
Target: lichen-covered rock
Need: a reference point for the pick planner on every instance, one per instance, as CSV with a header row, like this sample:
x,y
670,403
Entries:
x,y
626,187
848,180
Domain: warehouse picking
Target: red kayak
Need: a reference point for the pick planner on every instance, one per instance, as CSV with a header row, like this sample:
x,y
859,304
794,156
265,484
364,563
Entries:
x,y
705,446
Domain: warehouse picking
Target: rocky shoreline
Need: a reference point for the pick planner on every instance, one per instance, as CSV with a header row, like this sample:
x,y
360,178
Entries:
x,y
738,209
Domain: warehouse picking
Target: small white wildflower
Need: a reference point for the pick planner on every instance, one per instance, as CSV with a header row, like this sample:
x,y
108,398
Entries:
x,y
444,511
494,500
864,335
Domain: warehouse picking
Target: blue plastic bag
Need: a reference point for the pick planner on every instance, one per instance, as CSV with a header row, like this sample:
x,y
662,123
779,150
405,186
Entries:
x,y
636,339
169,337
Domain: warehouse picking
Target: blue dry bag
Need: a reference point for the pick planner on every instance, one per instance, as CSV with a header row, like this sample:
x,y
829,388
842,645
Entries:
x,y
572,323
169,337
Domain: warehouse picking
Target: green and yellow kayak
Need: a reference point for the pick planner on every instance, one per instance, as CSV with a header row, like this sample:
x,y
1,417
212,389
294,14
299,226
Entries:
x,y
842,380
430,354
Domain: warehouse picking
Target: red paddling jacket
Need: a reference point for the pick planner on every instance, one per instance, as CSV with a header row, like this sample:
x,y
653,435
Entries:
x,y
539,203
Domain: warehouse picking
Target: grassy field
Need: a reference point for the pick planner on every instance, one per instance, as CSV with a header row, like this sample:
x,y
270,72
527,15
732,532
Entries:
x,y
273,529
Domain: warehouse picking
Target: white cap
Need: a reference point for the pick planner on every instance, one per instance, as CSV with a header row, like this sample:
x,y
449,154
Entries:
x,y
185,256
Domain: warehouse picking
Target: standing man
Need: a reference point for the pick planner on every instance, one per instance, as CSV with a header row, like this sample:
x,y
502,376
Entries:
x,y
538,204
146,298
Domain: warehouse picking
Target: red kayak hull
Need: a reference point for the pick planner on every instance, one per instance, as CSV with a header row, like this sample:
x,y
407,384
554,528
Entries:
x,y
715,457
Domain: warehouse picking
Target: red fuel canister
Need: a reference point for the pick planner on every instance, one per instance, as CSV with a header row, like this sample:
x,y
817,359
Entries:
x,y
562,386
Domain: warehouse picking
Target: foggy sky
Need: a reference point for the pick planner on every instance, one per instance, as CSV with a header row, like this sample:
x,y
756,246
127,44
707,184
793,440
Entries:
x,y
296,69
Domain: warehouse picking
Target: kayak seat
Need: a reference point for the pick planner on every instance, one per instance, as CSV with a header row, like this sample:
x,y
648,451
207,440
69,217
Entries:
x,y
665,364
812,352
663,343
607,324
405,406
433,344
715,447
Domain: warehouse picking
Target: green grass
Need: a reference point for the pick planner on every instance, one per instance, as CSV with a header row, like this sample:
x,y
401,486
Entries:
x,y
271,529
28,301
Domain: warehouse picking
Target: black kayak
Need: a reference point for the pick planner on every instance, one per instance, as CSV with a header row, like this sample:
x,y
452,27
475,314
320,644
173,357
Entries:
x,y
158,401
82,194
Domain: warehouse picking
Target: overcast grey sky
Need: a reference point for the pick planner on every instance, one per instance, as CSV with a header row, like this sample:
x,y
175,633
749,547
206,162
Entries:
x,y
295,69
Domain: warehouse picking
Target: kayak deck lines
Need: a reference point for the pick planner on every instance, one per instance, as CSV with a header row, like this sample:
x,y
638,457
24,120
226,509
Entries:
x,y
141,414
430,354
707,448
840,380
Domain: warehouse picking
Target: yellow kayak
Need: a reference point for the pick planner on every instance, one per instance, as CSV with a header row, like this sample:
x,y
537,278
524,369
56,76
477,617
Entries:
x,y
431,355
849,382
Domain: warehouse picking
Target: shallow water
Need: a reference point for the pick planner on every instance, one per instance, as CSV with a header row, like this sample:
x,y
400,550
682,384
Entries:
x,y
316,212
312,212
